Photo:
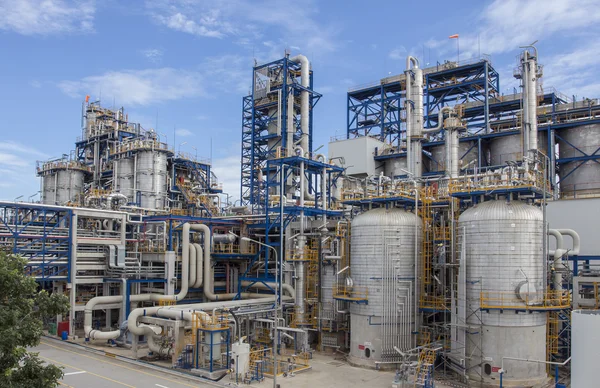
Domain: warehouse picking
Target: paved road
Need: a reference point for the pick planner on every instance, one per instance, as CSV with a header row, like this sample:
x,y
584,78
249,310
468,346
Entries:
x,y
87,370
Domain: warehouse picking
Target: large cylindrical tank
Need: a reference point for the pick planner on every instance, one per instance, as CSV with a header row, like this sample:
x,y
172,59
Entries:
x,y
577,178
510,148
504,266
467,152
383,262
123,177
151,179
61,186
585,342
395,167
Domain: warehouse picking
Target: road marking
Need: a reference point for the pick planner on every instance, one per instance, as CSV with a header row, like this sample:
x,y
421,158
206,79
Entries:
x,y
120,366
63,384
93,374
75,373
161,386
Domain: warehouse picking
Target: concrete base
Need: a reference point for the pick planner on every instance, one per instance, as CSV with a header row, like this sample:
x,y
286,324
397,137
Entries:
x,y
209,375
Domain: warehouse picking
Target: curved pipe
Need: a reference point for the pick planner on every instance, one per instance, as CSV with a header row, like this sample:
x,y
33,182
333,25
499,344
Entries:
x,y
410,60
193,258
87,321
199,266
576,240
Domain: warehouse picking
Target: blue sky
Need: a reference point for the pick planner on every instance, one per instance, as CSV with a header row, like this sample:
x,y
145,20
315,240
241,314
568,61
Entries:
x,y
183,65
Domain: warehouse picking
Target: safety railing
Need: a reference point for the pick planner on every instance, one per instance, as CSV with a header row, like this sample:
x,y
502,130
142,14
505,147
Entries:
x,y
248,249
205,321
140,144
62,165
351,293
433,303
533,301
307,254
503,178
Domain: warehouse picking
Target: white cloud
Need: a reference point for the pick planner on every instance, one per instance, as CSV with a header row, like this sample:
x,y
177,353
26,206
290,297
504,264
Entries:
x,y
17,168
153,55
139,87
227,170
47,17
574,72
35,84
184,132
247,21
398,53
507,24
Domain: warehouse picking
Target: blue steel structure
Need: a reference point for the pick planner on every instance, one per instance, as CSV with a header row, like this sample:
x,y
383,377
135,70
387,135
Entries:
x,y
42,234
265,128
378,110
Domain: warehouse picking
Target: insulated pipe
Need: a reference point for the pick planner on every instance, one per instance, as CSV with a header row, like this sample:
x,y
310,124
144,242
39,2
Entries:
x,y
557,255
199,266
576,240
193,263
87,321
290,122
304,97
303,185
184,311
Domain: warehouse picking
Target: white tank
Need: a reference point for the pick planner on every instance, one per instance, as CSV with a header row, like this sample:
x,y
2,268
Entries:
x,y
510,148
504,259
62,186
579,179
585,342
395,167
467,152
123,177
383,260
151,179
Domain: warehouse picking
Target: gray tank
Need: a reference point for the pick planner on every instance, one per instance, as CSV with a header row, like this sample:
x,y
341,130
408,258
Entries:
x,y
467,152
123,177
504,258
395,167
61,186
585,179
510,148
383,260
151,179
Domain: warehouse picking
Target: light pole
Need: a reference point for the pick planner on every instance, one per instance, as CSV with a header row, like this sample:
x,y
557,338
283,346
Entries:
x,y
277,305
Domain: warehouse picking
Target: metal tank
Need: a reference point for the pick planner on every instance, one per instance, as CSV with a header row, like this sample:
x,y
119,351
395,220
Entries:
x,y
510,148
583,180
395,167
61,186
585,342
467,152
503,253
151,179
383,261
123,172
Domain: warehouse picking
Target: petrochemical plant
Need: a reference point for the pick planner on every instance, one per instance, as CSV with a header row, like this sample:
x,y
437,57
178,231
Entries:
x,y
447,236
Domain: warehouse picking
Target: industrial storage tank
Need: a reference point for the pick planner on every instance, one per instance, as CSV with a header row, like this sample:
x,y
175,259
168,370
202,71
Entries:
x,y
467,152
383,261
510,148
585,342
123,171
503,247
151,179
60,186
579,178
395,167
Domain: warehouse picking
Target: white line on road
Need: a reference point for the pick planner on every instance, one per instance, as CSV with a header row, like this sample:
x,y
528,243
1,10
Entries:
x,y
161,386
75,373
